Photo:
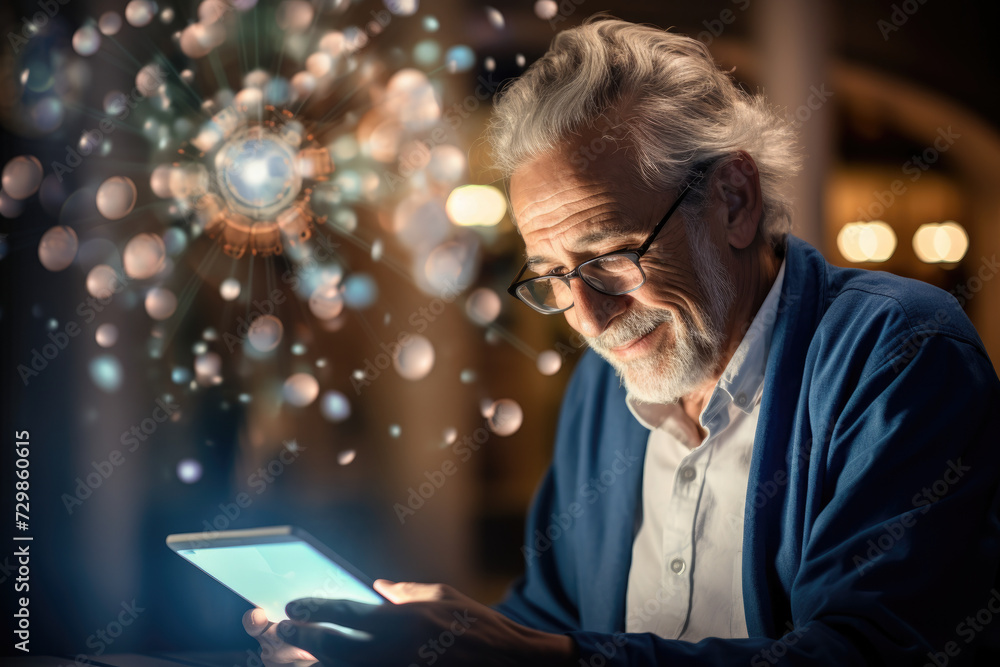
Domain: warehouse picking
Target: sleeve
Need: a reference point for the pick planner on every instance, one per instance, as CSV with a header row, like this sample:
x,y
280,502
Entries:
x,y
542,597
538,599
899,562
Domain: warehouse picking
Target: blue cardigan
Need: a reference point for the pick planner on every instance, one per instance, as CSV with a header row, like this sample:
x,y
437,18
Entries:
x,y
871,531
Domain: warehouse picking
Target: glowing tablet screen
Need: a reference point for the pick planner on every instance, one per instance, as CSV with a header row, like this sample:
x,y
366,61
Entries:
x,y
272,575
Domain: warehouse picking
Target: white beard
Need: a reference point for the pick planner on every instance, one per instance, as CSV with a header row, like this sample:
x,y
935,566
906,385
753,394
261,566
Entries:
x,y
688,354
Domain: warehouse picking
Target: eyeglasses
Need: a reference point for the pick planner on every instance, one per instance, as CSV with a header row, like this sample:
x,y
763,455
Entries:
x,y
614,273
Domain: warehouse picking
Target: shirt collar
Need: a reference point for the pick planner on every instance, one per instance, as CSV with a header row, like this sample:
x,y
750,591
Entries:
x,y
742,382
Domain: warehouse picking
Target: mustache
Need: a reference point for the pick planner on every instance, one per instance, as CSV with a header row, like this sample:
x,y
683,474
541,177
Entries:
x,y
631,325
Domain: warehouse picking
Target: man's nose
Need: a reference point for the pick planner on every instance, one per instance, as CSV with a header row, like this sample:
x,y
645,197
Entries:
x,y
592,310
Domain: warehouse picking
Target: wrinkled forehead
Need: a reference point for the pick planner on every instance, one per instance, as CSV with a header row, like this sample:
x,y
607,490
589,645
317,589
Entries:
x,y
561,207
559,184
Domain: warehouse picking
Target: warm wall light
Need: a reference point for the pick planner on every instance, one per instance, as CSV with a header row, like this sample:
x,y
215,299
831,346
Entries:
x,y
945,242
482,205
866,241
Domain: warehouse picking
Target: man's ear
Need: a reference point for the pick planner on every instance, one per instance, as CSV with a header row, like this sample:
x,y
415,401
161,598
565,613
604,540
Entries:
x,y
738,184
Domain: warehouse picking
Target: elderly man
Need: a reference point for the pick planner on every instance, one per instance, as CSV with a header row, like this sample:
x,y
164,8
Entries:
x,y
768,458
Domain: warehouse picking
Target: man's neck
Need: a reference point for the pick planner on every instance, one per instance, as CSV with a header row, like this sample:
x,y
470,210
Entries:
x,y
754,276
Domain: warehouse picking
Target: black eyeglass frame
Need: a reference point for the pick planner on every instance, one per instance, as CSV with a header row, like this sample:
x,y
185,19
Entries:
x,y
634,254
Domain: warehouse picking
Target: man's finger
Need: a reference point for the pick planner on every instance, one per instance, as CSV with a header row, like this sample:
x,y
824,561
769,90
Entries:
x,y
409,591
329,646
255,621
274,649
348,613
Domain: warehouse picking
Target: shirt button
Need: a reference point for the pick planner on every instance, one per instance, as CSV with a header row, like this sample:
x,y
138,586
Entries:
x,y
688,473
677,565
741,399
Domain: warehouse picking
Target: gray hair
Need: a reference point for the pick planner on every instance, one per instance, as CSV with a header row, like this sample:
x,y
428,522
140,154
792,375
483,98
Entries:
x,y
655,93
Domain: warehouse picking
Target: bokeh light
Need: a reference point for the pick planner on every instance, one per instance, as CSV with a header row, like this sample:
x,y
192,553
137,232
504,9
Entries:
x,y
300,389
414,359
944,243
505,417
57,248
482,205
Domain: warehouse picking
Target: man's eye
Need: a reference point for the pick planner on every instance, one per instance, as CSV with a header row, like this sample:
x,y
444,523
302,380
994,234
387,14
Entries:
x,y
555,272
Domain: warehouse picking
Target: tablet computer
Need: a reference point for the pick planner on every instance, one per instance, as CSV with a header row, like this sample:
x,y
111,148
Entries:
x,y
270,567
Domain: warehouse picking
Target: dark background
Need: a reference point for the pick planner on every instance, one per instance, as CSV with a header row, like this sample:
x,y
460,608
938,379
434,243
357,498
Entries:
x,y
111,550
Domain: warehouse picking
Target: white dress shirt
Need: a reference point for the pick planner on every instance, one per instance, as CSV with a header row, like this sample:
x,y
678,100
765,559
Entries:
x,y
686,579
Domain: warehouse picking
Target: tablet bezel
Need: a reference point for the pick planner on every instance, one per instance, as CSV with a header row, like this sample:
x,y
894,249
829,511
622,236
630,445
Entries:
x,y
253,536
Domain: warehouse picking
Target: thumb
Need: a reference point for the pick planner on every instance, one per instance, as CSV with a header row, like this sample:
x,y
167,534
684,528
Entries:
x,y
409,591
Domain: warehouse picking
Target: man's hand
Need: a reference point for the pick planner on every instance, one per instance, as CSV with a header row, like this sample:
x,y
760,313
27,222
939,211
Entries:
x,y
427,623
273,650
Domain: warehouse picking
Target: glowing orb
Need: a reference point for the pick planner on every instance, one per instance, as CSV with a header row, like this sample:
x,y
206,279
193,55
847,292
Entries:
x,y
161,303
106,372
86,40
460,58
415,359
360,291
301,389
144,256
102,281
335,406
116,197
109,23
257,173
189,471
546,9
265,333
230,289
495,17
402,7
326,302
139,13
346,457
483,306
549,362
57,248
106,335
207,366
22,176
505,417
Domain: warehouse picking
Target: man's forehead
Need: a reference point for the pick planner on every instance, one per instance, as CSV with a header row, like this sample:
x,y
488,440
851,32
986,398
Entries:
x,y
555,184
